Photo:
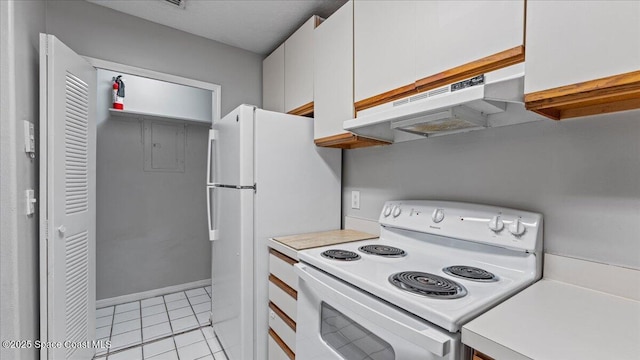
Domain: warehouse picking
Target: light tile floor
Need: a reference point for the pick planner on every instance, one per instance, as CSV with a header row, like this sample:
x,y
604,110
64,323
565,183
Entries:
x,y
173,326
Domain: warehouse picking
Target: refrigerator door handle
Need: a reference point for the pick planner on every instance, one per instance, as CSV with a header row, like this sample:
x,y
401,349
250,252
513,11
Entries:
x,y
212,219
213,135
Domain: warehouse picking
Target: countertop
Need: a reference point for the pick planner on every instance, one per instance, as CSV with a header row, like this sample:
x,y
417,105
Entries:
x,y
558,320
290,245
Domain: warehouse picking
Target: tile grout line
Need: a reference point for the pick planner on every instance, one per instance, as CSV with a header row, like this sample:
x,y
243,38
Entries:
x,y
113,319
198,321
215,338
221,347
173,337
192,310
141,339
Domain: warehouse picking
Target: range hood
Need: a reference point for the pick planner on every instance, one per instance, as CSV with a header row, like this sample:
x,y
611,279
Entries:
x,y
466,105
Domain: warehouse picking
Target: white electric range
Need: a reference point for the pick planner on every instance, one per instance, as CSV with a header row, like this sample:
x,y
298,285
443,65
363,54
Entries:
x,y
436,266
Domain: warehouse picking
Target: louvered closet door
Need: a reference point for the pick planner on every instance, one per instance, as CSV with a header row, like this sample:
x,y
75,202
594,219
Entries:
x,y
67,193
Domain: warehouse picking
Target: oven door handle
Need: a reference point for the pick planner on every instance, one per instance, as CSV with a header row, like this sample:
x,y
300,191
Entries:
x,y
426,338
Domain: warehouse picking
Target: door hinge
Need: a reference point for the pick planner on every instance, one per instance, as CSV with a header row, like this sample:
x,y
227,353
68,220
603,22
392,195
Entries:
x,y
30,201
29,139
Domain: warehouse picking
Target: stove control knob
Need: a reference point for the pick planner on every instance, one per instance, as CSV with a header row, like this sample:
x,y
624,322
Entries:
x,y
496,224
396,211
438,215
517,228
387,211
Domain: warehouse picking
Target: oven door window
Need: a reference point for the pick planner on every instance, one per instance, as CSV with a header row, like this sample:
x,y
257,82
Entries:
x,y
350,339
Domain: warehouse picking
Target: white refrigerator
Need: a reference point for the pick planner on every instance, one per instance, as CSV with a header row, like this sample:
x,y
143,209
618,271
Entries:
x,y
266,178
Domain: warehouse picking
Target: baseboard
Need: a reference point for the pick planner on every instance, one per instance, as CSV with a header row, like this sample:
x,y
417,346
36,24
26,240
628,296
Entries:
x,y
151,293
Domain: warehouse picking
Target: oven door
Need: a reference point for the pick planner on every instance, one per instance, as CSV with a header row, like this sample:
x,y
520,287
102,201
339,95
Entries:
x,y
338,321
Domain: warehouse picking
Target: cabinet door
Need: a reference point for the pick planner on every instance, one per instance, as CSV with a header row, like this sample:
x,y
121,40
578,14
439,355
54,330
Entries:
x,y
384,46
333,73
454,33
273,81
298,70
569,42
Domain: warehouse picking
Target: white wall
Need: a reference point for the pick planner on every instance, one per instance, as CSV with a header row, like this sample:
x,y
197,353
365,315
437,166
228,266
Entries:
x,y
100,32
151,227
20,24
158,97
583,175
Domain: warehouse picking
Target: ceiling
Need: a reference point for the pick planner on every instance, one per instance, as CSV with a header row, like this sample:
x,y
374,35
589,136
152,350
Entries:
x,y
255,25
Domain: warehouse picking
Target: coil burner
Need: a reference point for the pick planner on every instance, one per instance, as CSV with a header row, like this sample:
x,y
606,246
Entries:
x,y
470,273
382,250
341,255
426,284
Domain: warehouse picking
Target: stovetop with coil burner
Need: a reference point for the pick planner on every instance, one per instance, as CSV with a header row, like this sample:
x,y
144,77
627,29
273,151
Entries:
x,y
442,279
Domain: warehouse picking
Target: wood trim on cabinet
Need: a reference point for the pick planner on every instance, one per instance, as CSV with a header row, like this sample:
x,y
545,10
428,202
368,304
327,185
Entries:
x,y
282,345
304,110
385,97
477,355
348,141
283,286
490,63
282,257
283,316
600,96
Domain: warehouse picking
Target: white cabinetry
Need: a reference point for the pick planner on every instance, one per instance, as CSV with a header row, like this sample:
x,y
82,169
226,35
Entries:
x,y
298,69
287,73
583,57
333,73
405,47
454,33
569,42
273,81
384,46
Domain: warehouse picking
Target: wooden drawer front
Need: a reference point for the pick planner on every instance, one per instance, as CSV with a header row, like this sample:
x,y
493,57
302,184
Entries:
x,y
283,298
281,267
281,327
276,352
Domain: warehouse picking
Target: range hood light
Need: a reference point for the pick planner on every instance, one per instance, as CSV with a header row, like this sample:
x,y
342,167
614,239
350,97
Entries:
x,y
454,119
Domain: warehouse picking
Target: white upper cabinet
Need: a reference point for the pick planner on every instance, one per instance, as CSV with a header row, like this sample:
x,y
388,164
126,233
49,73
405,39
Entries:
x,y
384,46
273,81
454,33
569,42
583,57
298,69
333,73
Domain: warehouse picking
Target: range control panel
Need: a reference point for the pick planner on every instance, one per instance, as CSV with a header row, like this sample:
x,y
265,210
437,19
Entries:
x,y
509,228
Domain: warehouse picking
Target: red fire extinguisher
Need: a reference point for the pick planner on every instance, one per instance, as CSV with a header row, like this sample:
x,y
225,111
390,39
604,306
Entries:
x,y
118,93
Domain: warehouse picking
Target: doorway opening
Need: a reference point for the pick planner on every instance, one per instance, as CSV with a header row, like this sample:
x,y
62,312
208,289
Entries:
x,y
153,255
